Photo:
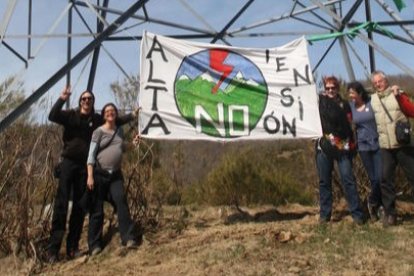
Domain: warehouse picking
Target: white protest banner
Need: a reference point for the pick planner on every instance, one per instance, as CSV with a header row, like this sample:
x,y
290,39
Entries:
x,y
193,90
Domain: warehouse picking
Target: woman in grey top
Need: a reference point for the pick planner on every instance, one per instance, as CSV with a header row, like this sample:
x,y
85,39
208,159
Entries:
x,y
106,181
367,142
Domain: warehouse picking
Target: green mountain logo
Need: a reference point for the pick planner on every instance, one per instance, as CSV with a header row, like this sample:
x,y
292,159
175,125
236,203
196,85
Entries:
x,y
229,109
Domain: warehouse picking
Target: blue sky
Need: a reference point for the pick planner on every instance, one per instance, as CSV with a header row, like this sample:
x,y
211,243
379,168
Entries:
x,y
212,14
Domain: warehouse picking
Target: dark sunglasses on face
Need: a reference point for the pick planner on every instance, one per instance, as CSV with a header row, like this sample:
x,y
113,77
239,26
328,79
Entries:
x,y
84,99
330,88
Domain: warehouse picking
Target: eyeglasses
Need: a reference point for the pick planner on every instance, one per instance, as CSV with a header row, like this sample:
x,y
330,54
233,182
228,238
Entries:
x,y
379,81
330,88
84,99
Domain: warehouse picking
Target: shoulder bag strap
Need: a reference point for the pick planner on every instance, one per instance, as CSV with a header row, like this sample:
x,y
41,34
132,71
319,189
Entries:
x,y
105,146
386,110
108,143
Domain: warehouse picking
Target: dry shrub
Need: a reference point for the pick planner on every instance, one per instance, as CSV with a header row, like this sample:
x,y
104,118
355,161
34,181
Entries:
x,y
26,186
138,171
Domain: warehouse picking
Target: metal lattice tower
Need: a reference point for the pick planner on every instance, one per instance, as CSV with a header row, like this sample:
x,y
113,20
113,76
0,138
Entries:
x,y
361,31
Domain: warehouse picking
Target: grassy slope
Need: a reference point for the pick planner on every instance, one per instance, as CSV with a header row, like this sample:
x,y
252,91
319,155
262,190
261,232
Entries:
x,y
220,241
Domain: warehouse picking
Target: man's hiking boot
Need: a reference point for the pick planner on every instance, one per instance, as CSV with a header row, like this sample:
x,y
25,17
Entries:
x,y
373,211
389,220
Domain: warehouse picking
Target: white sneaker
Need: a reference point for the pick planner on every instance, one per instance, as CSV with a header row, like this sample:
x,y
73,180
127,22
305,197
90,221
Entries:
x,y
97,250
131,244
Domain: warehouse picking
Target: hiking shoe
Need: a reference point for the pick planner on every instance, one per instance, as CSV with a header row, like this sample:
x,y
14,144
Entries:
x,y
389,220
359,221
381,213
131,244
373,211
51,258
97,250
324,221
73,254
140,239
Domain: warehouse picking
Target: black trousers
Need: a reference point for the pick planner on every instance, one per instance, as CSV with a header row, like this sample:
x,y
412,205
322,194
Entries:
x,y
72,181
403,156
109,188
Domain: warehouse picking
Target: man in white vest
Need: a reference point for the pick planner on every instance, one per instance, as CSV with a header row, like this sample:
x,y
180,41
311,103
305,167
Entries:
x,y
387,113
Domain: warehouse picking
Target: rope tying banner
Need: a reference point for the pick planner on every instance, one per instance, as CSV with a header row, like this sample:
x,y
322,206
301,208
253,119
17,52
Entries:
x,y
352,32
400,4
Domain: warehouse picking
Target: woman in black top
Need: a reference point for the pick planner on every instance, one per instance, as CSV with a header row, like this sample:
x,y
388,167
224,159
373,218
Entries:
x,y
336,145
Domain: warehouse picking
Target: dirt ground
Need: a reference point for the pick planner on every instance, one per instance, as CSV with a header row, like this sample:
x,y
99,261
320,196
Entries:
x,y
265,240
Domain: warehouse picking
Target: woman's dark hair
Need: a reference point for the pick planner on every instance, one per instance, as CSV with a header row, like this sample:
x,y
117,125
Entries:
x,y
103,110
93,100
359,88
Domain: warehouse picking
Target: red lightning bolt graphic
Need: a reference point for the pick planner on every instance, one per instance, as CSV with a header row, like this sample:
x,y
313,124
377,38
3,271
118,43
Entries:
x,y
217,58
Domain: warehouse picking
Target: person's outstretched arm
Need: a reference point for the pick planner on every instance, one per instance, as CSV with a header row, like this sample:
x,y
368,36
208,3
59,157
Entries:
x,y
407,107
122,120
56,114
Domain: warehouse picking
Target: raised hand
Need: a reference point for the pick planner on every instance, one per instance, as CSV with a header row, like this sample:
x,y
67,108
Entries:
x,y
395,89
66,93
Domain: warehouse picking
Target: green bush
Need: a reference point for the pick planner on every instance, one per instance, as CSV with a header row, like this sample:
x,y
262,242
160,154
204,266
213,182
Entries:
x,y
253,176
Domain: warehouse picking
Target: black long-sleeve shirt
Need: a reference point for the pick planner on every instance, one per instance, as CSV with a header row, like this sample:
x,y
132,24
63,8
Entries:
x,y
336,117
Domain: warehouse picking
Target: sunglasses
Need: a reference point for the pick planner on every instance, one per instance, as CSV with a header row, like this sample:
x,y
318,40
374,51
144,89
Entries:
x,y
330,88
84,99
